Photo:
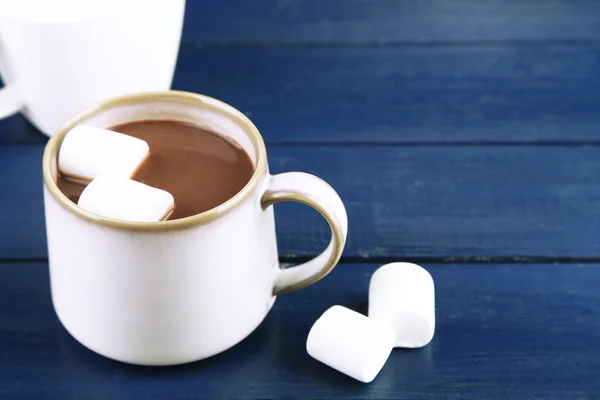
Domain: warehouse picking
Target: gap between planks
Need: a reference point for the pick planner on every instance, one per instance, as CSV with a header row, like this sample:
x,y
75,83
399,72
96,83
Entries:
x,y
290,261
427,43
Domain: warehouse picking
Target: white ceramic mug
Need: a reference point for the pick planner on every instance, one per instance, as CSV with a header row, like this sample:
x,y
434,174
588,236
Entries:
x,y
60,56
178,291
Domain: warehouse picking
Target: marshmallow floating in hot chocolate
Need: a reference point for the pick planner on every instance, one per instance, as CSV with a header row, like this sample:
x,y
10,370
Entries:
x,y
88,152
350,343
402,296
124,199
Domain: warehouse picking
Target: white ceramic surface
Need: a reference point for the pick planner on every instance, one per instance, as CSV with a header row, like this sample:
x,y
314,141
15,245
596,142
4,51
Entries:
x,y
402,295
60,56
350,343
177,291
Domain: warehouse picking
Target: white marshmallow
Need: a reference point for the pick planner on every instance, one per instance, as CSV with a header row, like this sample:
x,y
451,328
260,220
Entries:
x,y
350,343
121,198
402,295
88,152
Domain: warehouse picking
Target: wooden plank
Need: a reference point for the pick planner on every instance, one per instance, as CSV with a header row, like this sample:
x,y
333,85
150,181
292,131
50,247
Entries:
x,y
510,333
447,203
486,94
16,130
382,21
451,202
22,227
400,95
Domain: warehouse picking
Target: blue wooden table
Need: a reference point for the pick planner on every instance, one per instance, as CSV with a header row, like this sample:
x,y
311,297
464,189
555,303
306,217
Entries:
x,y
463,135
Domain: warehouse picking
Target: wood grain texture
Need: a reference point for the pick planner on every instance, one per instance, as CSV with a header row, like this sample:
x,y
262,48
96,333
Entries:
x,y
16,130
22,227
510,333
442,202
400,95
455,94
384,21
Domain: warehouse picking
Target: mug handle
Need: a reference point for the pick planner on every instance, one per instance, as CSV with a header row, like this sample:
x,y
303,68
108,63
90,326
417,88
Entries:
x,y
316,193
11,101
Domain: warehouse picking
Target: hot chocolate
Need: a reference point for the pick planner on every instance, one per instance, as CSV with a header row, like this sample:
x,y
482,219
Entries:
x,y
201,169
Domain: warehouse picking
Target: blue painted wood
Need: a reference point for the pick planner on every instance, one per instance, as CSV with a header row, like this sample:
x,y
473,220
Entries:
x,y
17,130
22,227
465,202
510,333
399,95
396,95
383,21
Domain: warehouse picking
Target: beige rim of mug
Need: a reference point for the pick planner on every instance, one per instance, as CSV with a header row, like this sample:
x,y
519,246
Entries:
x,y
190,99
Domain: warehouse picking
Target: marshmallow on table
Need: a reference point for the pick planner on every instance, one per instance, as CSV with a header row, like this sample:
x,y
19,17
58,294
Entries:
x,y
88,152
402,295
350,343
122,198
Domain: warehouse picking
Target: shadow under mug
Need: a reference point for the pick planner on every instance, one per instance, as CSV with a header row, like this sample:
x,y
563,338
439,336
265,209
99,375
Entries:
x,y
172,292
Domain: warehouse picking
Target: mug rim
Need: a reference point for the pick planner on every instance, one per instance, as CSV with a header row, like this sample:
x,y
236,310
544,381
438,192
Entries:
x,y
192,99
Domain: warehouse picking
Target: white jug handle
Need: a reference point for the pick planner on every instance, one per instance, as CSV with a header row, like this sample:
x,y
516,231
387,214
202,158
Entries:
x,y
316,193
